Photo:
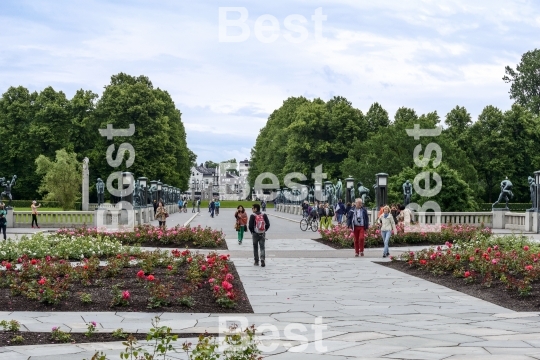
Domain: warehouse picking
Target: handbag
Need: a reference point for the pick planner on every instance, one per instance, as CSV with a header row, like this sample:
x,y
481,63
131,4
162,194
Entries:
x,y
166,215
236,226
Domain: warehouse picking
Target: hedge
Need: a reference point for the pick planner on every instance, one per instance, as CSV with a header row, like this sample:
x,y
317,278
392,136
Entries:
x,y
511,206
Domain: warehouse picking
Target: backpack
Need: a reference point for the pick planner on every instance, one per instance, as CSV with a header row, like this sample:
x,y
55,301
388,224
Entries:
x,y
330,211
260,224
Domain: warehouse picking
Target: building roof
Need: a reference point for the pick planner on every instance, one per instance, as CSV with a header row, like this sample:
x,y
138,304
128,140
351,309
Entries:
x,y
244,161
204,170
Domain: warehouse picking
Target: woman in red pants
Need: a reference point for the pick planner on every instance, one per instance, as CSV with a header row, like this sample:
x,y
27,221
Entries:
x,y
359,222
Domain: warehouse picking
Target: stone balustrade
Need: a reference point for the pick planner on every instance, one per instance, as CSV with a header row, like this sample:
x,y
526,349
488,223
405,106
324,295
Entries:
x,y
59,219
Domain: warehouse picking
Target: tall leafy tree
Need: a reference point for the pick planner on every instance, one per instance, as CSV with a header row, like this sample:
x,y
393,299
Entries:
x,y
376,118
61,178
525,81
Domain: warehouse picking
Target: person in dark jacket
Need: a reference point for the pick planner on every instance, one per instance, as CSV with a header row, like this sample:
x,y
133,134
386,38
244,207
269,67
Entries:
x,y
340,211
256,234
155,207
358,221
212,208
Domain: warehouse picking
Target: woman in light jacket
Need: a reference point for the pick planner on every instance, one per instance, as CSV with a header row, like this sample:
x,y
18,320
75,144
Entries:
x,y
161,214
387,224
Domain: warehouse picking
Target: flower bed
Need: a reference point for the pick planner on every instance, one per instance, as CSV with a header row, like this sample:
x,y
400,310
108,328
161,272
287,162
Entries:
x,y
175,281
342,237
148,235
64,246
507,265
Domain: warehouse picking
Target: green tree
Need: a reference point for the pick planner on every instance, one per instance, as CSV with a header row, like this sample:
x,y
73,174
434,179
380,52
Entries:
x,y
210,164
454,195
160,139
525,81
376,118
61,178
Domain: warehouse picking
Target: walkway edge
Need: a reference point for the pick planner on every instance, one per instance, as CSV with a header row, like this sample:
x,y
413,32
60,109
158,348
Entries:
x,y
190,219
284,218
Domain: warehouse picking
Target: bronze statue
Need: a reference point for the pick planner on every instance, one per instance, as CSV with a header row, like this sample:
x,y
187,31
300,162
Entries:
x,y
407,192
7,189
532,189
339,189
100,187
506,192
363,192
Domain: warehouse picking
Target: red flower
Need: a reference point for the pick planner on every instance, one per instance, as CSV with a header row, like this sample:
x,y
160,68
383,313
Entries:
x,y
528,267
118,256
226,285
423,262
189,259
140,274
42,281
126,295
411,254
33,261
467,274
216,288
476,251
203,268
229,277
230,295
169,267
458,257
8,266
526,248
496,247
489,250
150,278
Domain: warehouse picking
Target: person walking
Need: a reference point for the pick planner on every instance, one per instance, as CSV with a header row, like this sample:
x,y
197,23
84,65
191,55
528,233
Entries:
x,y
358,221
180,205
34,213
217,204
194,203
263,205
161,214
241,222
258,226
406,215
387,224
321,213
340,211
185,205
3,219
212,208
155,208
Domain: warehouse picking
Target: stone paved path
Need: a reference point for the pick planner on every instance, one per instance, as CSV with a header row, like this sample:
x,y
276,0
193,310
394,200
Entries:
x,y
365,311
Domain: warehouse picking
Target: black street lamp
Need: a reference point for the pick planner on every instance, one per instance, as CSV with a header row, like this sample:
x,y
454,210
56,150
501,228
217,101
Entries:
x,y
159,185
142,182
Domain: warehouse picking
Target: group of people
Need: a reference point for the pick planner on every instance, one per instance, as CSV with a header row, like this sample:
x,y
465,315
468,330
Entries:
x,y
213,207
258,224
357,219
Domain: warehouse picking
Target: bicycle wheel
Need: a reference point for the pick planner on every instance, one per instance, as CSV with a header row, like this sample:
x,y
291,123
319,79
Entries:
x,y
303,224
314,225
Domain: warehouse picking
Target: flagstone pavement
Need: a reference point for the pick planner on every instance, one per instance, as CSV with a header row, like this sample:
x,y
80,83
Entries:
x,y
314,302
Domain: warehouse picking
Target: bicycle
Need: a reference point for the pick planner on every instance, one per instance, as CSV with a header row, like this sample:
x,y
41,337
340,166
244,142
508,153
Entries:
x,y
309,222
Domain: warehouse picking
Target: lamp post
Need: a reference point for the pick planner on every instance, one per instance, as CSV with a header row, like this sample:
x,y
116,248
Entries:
x,y
166,193
349,183
382,190
144,198
159,187
153,185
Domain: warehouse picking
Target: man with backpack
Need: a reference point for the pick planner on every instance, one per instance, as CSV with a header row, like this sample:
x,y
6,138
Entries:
x,y
258,226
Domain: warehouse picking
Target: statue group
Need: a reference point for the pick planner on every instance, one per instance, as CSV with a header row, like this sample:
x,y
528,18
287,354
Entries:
x,y
7,185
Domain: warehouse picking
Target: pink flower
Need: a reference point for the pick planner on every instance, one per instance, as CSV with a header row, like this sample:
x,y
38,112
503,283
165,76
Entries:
x,y
529,267
93,323
126,295
42,281
216,288
203,268
140,274
494,261
526,248
471,258
150,278
229,277
8,266
211,280
226,285
467,274
230,295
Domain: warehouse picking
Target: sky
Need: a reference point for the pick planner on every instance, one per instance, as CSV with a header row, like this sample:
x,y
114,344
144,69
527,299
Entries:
x,y
423,54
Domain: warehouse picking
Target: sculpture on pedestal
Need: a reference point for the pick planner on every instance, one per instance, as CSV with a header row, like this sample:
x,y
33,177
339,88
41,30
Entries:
x,y
407,192
532,189
363,192
7,189
137,194
100,188
339,189
506,192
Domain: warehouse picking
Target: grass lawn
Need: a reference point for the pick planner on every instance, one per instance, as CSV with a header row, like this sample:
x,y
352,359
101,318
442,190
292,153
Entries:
x,y
40,209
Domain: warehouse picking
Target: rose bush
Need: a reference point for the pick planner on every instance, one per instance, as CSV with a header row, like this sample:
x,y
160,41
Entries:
x,y
177,236
65,246
343,236
511,260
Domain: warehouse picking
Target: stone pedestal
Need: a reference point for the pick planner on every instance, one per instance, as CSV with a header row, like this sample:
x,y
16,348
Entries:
x,y
530,214
10,219
498,218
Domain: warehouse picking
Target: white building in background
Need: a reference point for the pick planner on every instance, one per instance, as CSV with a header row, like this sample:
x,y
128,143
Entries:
x,y
203,182
232,186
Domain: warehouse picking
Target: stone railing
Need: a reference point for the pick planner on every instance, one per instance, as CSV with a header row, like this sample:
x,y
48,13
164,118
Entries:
x,y
59,219
515,221
478,219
